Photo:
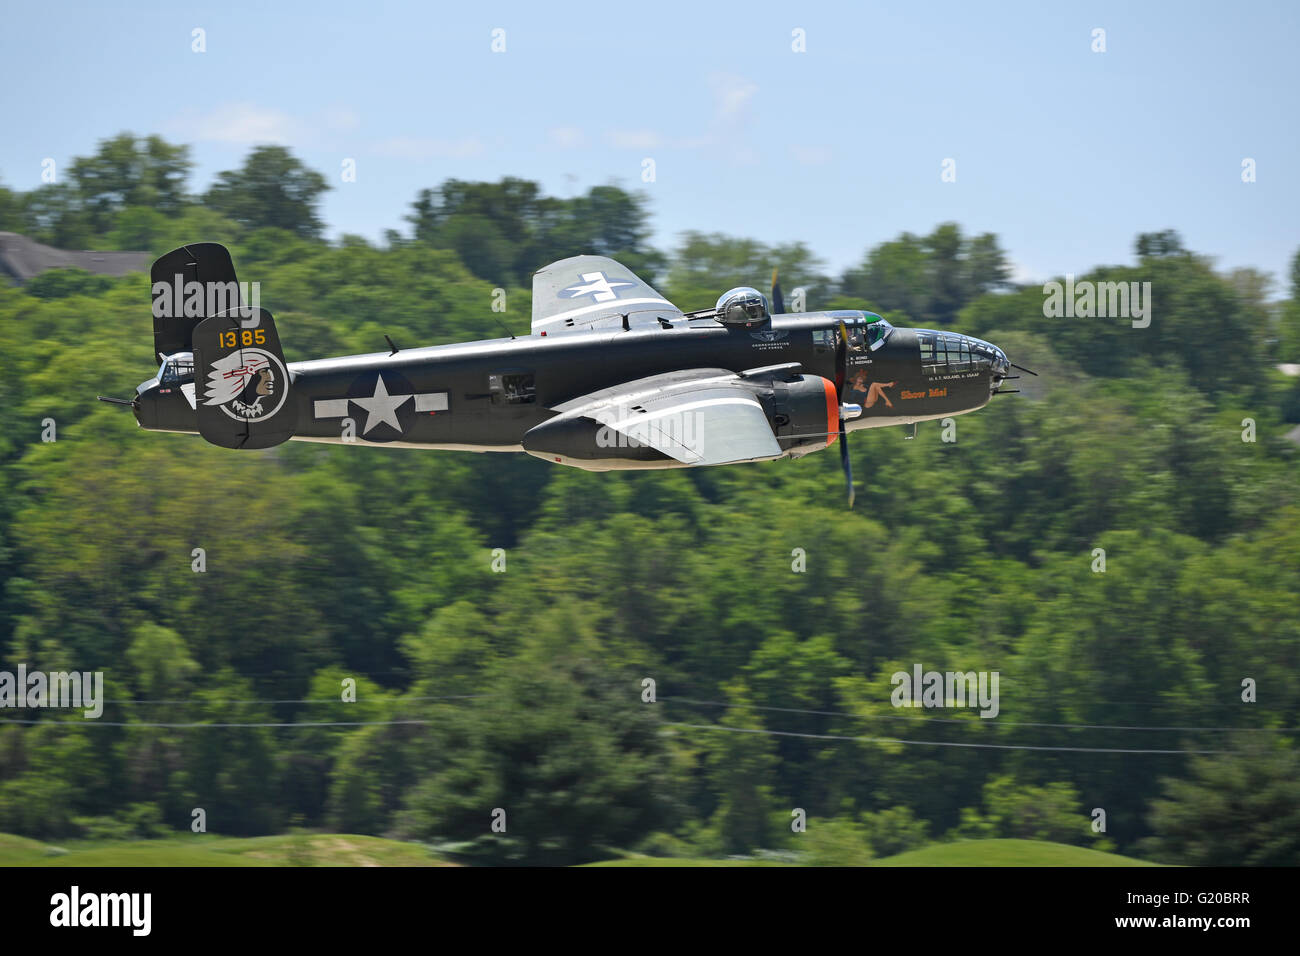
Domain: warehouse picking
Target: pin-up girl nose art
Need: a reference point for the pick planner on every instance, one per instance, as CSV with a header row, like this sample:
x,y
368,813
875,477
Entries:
x,y
875,391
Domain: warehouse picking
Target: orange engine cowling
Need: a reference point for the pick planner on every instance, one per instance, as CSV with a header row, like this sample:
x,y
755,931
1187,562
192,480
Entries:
x,y
804,411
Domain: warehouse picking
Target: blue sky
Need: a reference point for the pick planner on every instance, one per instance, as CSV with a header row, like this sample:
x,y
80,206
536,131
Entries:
x,y
1065,153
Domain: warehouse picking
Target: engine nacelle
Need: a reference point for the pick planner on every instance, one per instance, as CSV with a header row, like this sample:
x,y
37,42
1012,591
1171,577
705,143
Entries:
x,y
586,442
802,411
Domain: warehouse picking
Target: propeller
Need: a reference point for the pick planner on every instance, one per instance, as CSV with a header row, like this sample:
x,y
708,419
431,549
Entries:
x,y
844,438
844,461
778,300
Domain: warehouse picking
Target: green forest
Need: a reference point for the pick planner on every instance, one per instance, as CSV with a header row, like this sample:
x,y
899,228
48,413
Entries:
x,y
499,617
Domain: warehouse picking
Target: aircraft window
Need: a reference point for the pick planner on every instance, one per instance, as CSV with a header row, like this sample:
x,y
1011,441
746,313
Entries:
x,y
877,332
177,369
945,352
741,306
927,347
513,388
865,335
958,352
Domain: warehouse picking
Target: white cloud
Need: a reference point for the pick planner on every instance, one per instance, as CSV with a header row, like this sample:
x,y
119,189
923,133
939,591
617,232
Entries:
x,y
694,142
342,119
731,97
634,139
566,137
427,147
1022,274
242,124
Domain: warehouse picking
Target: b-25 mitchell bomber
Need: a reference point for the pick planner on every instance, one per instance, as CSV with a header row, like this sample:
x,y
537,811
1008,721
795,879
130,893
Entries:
x,y
613,376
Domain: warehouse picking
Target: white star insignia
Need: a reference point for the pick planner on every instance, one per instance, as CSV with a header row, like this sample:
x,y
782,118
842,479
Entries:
x,y
600,288
382,407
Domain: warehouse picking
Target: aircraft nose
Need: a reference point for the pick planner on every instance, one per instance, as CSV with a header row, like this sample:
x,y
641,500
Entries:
x,y
999,364
994,356
145,405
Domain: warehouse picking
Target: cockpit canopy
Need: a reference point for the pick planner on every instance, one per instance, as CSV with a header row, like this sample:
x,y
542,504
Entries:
x,y
177,369
951,352
867,332
877,332
741,306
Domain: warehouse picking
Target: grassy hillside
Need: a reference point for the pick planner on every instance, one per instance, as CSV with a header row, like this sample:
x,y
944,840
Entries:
x,y
1008,853
966,853
341,849
299,849
679,861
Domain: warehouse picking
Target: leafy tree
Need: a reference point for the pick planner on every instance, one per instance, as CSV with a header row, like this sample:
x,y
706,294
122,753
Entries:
x,y
12,211
1154,245
60,283
704,266
835,842
129,171
161,661
1237,809
1289,326
505,231
272,189
742,766
1051,812
929,278
973,555
564,748
55,215
139,227
895,830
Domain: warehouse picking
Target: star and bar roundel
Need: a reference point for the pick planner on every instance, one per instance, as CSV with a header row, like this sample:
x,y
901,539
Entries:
x,y
383,404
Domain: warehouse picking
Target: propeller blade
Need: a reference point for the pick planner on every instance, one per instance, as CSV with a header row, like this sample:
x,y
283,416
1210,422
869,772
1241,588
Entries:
x,y
844,461
778,300
115,401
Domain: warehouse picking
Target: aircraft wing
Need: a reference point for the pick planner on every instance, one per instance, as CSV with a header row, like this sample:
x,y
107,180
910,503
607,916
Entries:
x,y
593,292
697,416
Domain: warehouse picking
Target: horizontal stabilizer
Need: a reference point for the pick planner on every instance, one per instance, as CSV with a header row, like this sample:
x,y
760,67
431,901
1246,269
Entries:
x,y
585,293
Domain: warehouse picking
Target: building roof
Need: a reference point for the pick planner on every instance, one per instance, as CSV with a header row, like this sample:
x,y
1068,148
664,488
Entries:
x,y
22,258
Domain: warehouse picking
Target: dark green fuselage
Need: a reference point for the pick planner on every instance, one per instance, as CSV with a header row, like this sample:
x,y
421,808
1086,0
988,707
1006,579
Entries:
x,y
492,392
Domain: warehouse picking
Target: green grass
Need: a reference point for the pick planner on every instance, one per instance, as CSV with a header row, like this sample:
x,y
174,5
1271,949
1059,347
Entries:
x,y
296,849
17,851
1007,853
341,849
965,853
681,861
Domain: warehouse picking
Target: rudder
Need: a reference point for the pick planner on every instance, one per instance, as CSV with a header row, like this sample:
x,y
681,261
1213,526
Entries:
x,y
188,285
241,382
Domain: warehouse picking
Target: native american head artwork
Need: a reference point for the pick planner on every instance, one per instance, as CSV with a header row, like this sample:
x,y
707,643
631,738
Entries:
x,y
245,384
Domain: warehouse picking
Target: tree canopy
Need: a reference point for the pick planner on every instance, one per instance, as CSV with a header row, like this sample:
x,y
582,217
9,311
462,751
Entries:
x,y
524,690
